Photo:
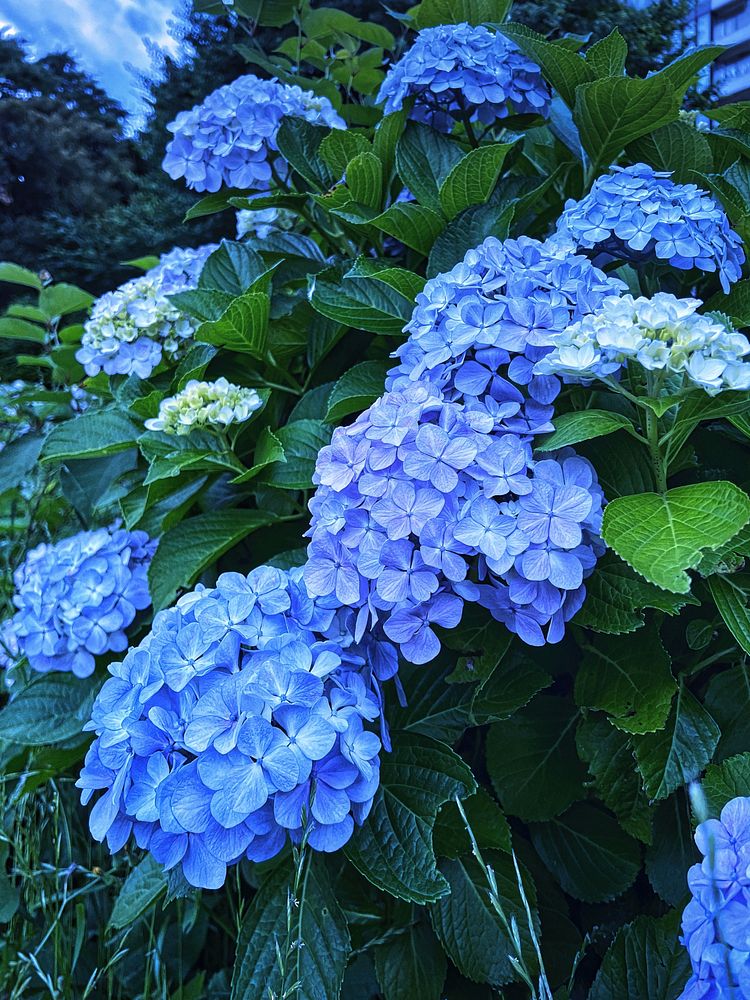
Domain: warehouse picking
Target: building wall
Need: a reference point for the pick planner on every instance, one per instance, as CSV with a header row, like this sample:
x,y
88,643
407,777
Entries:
x,y
728,22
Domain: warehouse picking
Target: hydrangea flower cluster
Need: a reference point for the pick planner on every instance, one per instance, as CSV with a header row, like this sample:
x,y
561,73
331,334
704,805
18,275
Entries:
x,y
130,328
458,71
261,222
199,404
716,922
663,333
421,504
76,598
477,331
244,717
230,137
637,213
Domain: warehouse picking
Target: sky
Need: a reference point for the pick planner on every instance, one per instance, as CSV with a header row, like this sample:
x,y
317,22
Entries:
x,y
105,35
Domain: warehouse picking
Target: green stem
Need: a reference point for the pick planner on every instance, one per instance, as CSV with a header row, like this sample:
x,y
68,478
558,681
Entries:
x,y
657,459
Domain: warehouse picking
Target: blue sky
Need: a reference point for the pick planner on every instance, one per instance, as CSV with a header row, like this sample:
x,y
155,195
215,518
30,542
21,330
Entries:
x,y
105,35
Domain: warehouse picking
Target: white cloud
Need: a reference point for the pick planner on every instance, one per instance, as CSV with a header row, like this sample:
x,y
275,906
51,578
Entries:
x,y
105,37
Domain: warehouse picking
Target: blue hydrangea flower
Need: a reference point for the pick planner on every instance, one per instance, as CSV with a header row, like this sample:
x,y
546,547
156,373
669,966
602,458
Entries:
x,y
661,334
477,331
716,922
458,70
131,328
637,213
230,138
245,717
76,599
423,503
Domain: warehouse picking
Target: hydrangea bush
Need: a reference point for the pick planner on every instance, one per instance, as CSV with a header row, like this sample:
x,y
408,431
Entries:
x,y
374,581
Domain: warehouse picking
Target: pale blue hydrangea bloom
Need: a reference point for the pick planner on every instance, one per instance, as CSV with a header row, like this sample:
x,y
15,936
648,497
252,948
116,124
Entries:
x,y
422,504
477,331
716,922
661,334
246,717
230,138
458,70
77,598
637,213
132,328
200,404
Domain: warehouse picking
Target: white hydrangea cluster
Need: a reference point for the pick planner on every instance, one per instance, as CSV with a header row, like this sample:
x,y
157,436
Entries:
x,y
132,327
662,333
218,403
261,222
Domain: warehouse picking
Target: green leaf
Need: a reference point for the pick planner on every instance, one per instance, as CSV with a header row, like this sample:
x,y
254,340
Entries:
x,y
203,304
52,708
614,112
61,300
607,56
299,143
662,535
232,268
412,964
318,926
470,930
213,203
301,440
362,303
486,819
393,848
17,275
356,389
731,600
19,329
187,549
677,147
609,755
629,678
472,180
588,853
726,781
677,755
99,432
582,425
615,595
142,263
267,451
19,458
681,72
424,159
466,231
414,225
728,702
242,328
564,69
700,407
433,707
340,147
646,959
406,282
139,891
364,178
672,850
532,759
433,12
324,22
735,304
193,365
621,464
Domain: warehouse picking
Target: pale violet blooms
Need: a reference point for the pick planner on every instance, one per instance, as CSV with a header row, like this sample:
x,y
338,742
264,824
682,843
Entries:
x,y
132,329
230,139
637,214
242,721
205,404
457,70
716,921
660,334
